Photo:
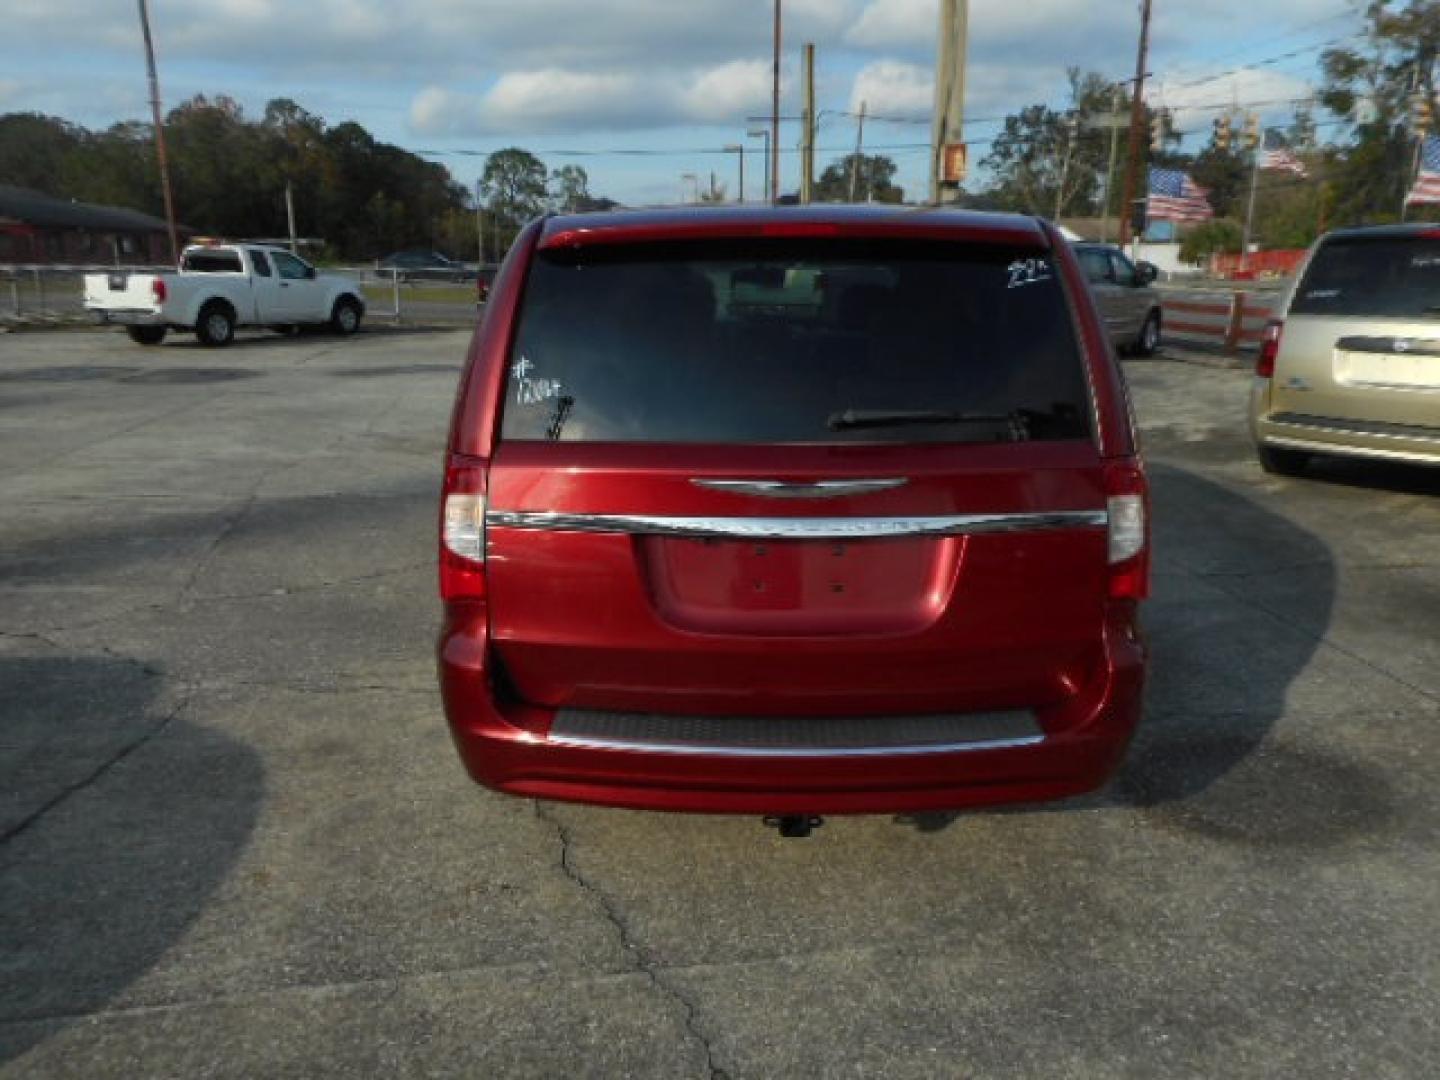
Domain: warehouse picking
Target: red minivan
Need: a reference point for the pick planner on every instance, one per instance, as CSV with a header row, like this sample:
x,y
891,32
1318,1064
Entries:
x,y
792,511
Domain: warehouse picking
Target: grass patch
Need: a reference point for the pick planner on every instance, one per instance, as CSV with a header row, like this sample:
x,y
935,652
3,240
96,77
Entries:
x,y
380,295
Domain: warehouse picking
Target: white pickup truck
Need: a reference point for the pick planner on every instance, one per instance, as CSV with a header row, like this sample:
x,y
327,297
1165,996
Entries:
x,y
220,287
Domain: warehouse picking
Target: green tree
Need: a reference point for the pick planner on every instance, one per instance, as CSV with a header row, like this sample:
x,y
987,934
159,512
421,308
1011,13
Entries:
x,y
362,196
1226,174
874,181
571,185
1369,84
33,149
513,185
1039,146
1218,234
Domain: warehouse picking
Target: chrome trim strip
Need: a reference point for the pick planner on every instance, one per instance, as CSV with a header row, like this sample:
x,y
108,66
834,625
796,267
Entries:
x,y
796,528
783,489
598,743
1414,433
1374,453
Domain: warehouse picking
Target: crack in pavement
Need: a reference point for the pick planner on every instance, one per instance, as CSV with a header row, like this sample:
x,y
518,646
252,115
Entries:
x,y
254,495
149,734
641,960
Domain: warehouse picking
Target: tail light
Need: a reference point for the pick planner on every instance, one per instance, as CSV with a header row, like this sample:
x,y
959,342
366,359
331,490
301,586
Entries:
x,y
159,289
462,533
1269,349
1127,505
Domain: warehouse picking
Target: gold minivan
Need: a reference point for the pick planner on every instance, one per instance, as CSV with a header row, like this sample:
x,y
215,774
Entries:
x,y
1351,363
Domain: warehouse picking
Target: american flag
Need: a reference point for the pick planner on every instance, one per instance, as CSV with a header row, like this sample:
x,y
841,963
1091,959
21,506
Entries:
x,y
1427,184
1175,197
1283,158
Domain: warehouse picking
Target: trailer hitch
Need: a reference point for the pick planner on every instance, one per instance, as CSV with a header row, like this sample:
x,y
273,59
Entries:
x,y
793,826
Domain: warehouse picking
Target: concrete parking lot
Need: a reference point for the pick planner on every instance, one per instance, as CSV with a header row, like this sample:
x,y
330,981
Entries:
x,y
235,841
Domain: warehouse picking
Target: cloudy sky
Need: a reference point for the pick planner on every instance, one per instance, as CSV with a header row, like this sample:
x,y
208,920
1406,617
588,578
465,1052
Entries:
x,y
674,76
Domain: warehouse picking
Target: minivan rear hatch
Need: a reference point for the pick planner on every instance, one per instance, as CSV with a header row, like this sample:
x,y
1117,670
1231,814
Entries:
x,y
1362,336
777,474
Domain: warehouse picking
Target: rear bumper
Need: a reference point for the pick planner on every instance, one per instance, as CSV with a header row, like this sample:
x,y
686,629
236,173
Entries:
x,y
507,748
1355,438
135,317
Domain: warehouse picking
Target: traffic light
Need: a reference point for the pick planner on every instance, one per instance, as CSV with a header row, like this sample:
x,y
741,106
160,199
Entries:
x,y
1305,129
1252,132
1159,130
1139,217
1422,112
1221,136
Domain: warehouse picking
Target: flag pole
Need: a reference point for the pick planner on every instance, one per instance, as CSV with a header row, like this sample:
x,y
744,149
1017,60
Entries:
x,y
1414,177
1250,208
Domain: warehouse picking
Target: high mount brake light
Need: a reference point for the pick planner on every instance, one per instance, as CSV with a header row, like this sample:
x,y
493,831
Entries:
x,y
1269,349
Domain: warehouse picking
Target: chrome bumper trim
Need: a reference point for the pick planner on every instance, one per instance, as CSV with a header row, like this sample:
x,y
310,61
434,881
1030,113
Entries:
x,y
784,489
798,528
792,737
1374,453
789,752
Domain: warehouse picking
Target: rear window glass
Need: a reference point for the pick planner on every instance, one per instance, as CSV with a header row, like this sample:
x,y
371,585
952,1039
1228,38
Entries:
x,y
212,262
787,342
1379,278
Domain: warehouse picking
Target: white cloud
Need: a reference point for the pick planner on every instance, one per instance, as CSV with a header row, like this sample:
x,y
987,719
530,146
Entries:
x,y
893,87
896,24
559,100
736,89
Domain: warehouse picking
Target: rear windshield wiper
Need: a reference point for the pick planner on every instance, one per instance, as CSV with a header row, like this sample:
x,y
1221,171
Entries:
x,y
1015,422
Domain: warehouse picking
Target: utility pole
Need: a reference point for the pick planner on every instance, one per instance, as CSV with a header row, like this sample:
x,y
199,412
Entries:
x,y
807,144
290,215
1137,124
1115,101
1071,127
763,133
479,227
948,126
859,146
1255,140
772,148
159,133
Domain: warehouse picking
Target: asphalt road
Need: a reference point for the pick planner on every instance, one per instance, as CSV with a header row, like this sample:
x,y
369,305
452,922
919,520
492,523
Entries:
x,y
235,841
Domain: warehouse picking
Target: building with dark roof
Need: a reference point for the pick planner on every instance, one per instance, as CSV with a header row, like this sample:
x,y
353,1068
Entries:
x,y
45,229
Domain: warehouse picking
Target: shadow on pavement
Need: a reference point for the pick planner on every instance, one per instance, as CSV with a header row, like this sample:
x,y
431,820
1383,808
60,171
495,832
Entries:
x,y
1221,670
120,820
1375,475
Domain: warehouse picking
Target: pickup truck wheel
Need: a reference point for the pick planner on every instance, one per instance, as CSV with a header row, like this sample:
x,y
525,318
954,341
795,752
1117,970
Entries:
x,y
345,317
216,325
146,335
1148,341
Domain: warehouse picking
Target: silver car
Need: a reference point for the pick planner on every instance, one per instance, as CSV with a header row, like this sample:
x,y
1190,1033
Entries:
x,y
1129,306
1351,364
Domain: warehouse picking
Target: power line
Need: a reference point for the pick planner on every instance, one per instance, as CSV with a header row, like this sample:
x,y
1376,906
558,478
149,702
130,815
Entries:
x,y
658,152
1349,12
1268,61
